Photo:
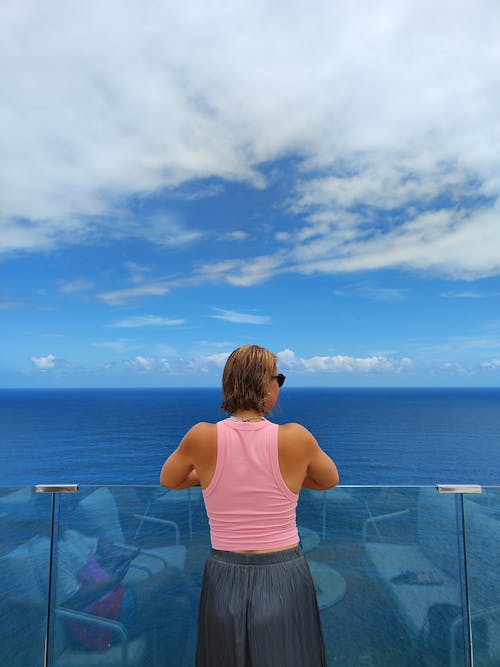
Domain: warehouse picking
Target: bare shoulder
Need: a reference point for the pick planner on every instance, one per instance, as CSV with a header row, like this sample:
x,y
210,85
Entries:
x,y
297,435
293,429
199,433
201,428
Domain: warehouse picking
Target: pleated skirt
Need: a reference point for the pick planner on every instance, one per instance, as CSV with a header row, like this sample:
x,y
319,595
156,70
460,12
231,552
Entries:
x,y
259,610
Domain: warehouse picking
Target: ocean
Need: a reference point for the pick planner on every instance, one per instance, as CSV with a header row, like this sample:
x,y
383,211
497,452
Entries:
x,y
375,436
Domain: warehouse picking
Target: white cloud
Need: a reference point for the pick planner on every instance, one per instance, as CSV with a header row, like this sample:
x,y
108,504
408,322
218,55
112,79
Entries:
x,y
255,271
493,364
144,364
288,358
204,363
164,364
240,318
121,296
388,185
197,364
239,272
243,273
44,363
388,104
146,321
469,294
343,363
216,271
447,242
141,363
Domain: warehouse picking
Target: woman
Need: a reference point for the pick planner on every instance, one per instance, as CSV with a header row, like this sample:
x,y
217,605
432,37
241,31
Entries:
x,y
258,603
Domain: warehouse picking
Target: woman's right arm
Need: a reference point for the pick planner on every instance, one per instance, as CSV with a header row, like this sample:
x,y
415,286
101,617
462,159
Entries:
x,y
178,471
177,468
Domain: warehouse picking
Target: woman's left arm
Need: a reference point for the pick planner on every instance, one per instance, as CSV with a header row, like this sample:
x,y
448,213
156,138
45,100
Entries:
x,y
191,480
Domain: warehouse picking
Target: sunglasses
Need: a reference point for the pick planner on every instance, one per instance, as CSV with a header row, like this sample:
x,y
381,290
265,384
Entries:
x,y
280,379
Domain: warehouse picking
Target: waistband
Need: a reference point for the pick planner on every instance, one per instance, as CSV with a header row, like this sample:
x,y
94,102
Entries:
x,y
269,558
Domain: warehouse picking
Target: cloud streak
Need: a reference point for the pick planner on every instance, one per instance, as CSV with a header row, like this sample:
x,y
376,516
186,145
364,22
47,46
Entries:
x,y
240,318
146,321
121,296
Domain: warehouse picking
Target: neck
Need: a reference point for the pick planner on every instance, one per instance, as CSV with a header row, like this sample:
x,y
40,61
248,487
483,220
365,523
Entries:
x,y
243,416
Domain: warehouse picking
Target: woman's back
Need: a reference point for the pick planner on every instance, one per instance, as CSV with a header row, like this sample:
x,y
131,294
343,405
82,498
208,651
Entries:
x,y
249,506
301,460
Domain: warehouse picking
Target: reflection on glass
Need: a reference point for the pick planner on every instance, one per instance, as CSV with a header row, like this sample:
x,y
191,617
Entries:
x,y
397,552
482,533
124,584
24,553
129,560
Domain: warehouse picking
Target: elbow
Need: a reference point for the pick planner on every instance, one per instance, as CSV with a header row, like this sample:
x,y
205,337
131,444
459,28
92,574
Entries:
x,y
164,481
335,476
334,481
168,482
167,485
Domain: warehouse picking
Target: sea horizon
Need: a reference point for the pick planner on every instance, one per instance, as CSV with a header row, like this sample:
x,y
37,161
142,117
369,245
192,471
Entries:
x,y
425,387
377,436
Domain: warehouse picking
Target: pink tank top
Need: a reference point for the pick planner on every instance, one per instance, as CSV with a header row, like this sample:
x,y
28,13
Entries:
x,y
249,506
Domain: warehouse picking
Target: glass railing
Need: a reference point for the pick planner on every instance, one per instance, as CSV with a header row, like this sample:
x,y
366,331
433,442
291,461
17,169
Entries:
x,y
482,543
111,575
25,537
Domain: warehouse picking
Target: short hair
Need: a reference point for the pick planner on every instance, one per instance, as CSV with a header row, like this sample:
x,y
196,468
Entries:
x,y
247,371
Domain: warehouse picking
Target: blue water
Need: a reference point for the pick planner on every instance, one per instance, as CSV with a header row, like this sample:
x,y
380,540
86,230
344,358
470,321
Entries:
x,y
376,436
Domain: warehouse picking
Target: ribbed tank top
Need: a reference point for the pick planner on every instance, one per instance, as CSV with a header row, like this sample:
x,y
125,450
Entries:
x,y
249,506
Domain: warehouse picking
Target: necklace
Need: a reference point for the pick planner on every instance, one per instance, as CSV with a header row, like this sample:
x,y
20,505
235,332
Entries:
x,y
247,419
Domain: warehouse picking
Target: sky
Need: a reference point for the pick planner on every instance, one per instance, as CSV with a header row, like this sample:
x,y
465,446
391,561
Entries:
x,y
320,178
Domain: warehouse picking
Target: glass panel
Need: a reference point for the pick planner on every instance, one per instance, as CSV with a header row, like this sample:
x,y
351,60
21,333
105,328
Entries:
x,y
25,520
482,532
386,565
129,563
129,567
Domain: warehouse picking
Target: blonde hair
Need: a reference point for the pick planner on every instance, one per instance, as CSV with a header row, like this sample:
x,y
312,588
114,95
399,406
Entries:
x,y
247,372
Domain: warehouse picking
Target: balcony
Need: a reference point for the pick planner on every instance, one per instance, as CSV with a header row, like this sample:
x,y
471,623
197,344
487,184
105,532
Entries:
x,y
404,575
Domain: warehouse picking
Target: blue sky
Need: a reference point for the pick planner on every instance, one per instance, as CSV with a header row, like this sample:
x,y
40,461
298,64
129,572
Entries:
x,y
319,178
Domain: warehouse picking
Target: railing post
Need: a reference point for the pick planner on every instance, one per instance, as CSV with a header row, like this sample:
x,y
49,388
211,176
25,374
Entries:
x,y
460,490
54,489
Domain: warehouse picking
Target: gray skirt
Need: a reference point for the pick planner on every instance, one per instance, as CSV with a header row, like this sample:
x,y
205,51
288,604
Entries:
x,y
259,610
